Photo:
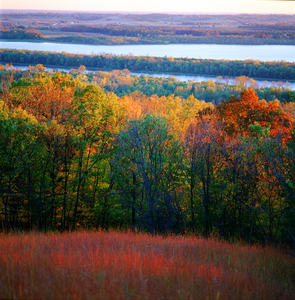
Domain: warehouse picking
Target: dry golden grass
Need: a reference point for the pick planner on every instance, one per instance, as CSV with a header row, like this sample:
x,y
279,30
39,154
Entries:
x,y
101,265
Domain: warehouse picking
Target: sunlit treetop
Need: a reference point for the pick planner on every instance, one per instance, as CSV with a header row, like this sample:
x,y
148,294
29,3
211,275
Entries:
x,y
239,113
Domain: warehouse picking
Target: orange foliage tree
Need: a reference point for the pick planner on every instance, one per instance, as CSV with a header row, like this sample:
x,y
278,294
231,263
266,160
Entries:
x,y
46,98
239,113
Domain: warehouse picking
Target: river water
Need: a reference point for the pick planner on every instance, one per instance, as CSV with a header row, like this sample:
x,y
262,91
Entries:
x,y
198,51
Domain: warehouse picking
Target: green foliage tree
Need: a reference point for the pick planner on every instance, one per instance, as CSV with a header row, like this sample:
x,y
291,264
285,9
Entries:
x,y
148,160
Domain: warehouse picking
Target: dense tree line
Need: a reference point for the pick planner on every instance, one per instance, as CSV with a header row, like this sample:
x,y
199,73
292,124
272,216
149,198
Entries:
x,y
31,34
118,35
124,83
281,26
223,39
72,155
143,36
250,68
153,31
258,39
194,31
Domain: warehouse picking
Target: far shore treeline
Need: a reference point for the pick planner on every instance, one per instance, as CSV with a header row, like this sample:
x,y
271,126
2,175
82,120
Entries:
x,y
250,68
144,35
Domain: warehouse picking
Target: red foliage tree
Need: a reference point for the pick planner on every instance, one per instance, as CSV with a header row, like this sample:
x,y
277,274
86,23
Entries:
x,y
239,113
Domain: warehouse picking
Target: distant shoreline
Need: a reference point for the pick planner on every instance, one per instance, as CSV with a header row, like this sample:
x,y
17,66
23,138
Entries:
x,y
215,41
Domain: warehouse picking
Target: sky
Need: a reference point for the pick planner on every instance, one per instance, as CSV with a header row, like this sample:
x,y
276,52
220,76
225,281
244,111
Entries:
x,y
175,6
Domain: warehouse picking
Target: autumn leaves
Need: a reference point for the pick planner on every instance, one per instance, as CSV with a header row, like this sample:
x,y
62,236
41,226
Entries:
x,y
74,156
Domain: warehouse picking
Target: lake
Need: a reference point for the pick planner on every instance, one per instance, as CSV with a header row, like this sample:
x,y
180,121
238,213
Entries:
x,y
200,51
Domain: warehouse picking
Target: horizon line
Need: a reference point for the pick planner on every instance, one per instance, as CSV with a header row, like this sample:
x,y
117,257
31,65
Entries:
x,y
144,12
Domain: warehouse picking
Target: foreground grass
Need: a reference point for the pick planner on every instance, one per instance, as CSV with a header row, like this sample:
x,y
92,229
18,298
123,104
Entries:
x,y
101,265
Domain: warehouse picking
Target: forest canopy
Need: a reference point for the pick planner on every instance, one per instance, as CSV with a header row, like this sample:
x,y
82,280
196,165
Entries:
x,y
75,156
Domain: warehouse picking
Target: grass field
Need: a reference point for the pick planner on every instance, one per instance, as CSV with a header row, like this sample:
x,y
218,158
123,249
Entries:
x,y
114,265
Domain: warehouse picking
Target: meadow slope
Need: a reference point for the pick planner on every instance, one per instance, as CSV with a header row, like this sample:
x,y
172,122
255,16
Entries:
x,y
114,265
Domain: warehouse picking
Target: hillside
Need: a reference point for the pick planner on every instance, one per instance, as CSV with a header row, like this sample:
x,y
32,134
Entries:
x,y
114,265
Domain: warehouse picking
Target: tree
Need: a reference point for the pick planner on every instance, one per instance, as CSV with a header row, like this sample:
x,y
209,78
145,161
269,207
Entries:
x,y
82,69
47,98
203,145
93,121
40,68
74,145
239,113
144,163
280,159
19,151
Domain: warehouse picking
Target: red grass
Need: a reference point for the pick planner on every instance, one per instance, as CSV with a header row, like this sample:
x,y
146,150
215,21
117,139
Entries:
x,y
100,265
